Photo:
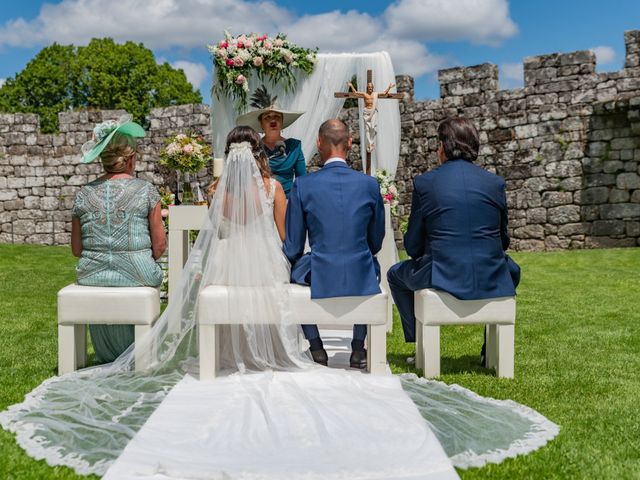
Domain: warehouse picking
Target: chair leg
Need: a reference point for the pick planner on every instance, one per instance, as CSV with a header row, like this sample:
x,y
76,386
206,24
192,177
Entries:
x,y
431,350
505,351
208,351
419,345
72,348
377,351
492,346
142,349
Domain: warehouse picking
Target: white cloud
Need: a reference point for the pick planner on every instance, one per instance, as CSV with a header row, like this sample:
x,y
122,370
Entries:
x,y
511,75
188,24
480,21
195,72
158,24
604,54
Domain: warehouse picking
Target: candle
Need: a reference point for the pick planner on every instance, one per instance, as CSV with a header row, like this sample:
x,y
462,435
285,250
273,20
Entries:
x,y
218,164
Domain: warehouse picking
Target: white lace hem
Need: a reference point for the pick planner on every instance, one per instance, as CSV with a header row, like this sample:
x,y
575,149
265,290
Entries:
x,y
542,431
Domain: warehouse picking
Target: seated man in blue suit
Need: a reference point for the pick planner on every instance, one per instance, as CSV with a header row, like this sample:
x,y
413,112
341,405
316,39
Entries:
x,y
342,212
457,233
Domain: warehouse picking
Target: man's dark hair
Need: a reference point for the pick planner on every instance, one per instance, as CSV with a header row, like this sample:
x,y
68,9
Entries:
x,y
335,132
459,139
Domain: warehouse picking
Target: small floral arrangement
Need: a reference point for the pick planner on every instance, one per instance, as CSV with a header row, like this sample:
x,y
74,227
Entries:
x,y
273,58
388,189
185,152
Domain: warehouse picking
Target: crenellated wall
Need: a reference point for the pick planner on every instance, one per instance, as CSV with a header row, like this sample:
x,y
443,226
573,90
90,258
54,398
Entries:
x,y
568,144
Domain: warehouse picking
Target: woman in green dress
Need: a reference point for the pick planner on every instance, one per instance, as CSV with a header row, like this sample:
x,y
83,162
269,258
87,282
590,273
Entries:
x,y
116,227
286,159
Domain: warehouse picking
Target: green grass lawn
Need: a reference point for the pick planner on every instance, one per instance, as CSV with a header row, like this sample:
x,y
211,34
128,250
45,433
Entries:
x,y
577,357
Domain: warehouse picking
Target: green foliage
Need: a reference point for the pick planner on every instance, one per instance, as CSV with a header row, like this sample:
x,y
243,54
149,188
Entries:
x,y
101,75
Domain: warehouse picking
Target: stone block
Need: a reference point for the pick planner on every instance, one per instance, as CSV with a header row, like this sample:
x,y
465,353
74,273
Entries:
x,y
571,184
536,215
632,229
618,196
554,199
564,214
629,211
529,231
607,227
628,181
623,143
612,166
563,169
50,203
24,227
607,242
8,195
571,229
599,179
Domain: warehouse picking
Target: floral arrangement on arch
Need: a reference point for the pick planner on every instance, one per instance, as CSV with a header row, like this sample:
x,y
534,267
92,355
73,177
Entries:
x,y
270,58
388,189
187,153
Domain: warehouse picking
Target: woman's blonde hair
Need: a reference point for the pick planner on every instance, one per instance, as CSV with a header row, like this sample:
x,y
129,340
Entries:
x,y
115,156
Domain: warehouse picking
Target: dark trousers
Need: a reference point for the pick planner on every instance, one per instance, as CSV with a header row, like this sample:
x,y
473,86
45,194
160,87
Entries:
x,y
312,334
403,282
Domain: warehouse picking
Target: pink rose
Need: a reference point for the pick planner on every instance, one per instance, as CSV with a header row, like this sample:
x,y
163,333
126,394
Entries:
x,y
229,62
164,212
240,79
188,149
238,62
240,45
257,61
268,45
223,44
388,197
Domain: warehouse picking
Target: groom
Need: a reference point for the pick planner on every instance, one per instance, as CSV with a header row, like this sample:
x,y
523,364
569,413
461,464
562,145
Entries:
x,y
342,212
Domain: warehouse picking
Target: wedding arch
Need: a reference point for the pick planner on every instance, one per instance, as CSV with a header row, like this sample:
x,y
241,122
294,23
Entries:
x,y
314,95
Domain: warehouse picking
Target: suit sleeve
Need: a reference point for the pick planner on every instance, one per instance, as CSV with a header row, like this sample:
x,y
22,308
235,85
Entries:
x,y
504,216
416,231
295,227
375,230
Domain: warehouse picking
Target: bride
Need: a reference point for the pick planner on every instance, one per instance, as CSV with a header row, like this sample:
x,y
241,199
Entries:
x,y
275,414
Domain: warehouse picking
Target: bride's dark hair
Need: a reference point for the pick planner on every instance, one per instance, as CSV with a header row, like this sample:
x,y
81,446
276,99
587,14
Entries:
x,y
247,134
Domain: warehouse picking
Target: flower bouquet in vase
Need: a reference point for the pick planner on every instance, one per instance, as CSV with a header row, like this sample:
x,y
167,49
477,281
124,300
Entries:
x,y
187,154
388,189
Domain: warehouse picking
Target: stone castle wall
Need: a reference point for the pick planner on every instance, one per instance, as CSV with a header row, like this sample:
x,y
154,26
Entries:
x,y
567,143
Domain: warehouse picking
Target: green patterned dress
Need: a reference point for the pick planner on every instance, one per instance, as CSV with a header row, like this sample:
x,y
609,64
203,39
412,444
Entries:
x,y
116,248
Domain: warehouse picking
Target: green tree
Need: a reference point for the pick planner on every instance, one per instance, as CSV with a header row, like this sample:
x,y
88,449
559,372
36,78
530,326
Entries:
x,y
101,75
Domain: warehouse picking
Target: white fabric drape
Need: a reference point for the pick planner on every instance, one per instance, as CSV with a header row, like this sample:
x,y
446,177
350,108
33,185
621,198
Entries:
x,y
314,95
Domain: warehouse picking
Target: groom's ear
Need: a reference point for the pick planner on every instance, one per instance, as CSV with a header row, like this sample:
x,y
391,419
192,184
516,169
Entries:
x,y
349,143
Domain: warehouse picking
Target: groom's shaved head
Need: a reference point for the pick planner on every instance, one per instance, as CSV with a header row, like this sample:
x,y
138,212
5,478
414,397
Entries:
x,y
335,133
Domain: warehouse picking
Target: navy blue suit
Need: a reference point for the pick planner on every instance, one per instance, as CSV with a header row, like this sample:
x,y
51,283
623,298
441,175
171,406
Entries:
x,y
342,212
456,238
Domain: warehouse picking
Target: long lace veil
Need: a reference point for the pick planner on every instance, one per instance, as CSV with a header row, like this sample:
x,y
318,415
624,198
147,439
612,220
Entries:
x,y
85,419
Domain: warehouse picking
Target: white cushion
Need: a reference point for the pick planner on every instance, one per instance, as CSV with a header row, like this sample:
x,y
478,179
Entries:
x,y
79,304
368,310
434,307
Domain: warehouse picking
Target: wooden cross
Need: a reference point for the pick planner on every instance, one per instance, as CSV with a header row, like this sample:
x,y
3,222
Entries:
x,y
385,94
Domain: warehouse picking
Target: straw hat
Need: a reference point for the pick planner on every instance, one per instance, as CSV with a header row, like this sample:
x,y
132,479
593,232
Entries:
x,y
263,102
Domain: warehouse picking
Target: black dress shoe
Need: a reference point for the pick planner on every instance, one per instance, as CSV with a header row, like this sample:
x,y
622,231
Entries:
x,y
320,356
358,359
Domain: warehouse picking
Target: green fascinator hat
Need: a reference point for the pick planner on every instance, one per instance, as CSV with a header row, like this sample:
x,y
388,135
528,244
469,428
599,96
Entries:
x,y
104,132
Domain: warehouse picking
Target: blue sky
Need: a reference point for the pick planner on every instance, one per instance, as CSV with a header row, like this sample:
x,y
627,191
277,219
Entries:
x,y
421,35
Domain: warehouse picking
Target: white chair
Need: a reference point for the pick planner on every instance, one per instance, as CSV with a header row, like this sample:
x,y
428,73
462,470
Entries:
x,y
79,305
213,310
434,308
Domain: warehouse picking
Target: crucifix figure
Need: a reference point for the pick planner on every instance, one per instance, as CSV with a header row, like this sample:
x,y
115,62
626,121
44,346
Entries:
x,y
370,111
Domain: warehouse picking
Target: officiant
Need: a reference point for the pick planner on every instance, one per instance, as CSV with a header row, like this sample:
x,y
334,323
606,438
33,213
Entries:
x,y
286,159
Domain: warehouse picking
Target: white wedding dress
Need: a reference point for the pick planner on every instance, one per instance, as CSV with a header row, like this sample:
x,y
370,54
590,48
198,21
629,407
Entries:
x,y
274,414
